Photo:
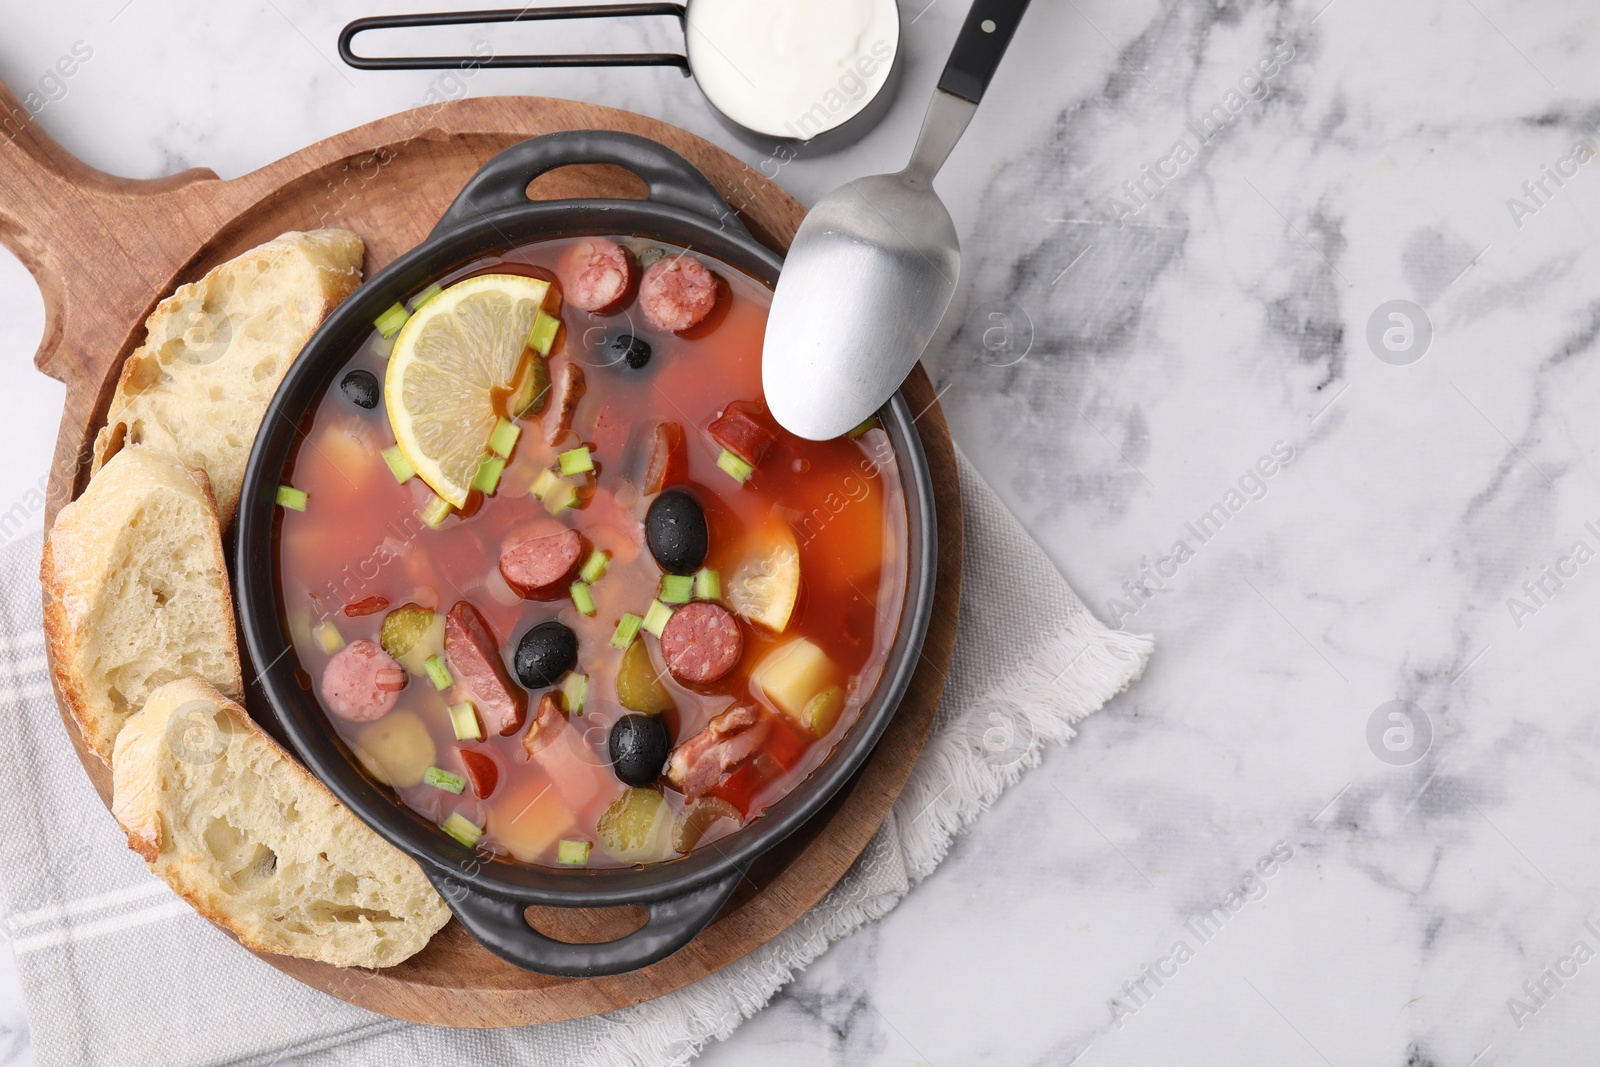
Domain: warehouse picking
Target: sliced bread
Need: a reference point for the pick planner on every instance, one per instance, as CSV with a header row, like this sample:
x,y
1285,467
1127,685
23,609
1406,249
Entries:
x,y
257,844
136,592
216,349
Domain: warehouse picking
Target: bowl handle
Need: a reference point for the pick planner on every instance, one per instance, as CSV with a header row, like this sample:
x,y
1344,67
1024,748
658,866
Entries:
x,y
500,925
502,183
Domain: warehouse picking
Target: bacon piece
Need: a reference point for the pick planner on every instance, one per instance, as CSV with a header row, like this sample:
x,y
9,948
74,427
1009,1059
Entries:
x,y
700,763
547,722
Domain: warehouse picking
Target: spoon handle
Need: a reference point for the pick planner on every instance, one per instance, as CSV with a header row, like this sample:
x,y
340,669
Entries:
x,y
981,43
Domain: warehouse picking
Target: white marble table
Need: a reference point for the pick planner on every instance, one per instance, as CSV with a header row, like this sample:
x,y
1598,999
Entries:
x,y
1142,332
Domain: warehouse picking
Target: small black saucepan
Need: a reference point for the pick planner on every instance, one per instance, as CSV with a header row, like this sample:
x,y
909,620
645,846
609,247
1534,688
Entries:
x,y
489,895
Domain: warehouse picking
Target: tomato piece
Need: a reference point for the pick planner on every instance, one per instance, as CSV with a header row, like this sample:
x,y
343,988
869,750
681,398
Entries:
x,y
369,606
481,772
739,788
784,743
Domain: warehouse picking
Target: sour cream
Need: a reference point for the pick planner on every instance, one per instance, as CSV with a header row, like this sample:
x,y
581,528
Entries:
x,y
792,68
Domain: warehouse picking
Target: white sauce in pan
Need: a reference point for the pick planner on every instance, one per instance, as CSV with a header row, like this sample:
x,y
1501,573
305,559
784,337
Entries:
x,y
792,68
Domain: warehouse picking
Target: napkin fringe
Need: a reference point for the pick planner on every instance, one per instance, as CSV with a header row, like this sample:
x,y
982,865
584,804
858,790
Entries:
x,y
962,770
955,780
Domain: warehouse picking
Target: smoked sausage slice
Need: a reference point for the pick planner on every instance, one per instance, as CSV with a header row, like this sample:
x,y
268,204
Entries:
x,y
362,682
595,274
540,564
677,293
702,642
474,657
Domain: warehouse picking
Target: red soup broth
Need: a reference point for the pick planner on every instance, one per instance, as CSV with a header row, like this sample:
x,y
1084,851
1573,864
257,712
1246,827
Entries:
x,y
361,541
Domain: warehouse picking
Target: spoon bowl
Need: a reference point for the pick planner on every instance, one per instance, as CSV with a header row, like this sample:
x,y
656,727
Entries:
x,y
874,265
869,275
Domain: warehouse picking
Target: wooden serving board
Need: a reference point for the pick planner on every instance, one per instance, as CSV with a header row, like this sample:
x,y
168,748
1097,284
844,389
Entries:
x,y
104,249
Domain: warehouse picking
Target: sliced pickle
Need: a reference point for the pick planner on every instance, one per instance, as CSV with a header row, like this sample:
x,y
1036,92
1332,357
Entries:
x,y
412,634
638,686
634,828
697,818
533,388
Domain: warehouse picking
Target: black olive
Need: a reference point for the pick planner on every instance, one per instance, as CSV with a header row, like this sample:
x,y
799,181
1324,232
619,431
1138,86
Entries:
x,y
675,529
638,746
361,387
545,653
635,351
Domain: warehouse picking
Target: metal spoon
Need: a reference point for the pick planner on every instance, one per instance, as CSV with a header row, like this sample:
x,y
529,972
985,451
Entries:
x,y
874,265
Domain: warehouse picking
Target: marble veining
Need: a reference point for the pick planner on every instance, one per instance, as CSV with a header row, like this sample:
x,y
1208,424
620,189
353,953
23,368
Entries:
x,y
1351,814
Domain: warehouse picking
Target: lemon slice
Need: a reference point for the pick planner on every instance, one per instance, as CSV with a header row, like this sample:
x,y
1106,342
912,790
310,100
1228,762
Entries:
x,y
764,588
450,360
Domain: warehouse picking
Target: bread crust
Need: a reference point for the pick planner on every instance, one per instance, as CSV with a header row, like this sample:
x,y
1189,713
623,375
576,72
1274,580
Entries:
x,y
147,795
158,386
74,569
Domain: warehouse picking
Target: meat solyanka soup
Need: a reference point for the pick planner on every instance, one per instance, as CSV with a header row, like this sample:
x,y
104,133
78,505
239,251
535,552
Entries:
x,y
557,577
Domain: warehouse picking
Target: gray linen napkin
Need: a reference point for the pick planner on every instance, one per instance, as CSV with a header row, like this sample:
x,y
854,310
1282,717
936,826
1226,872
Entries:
x,y
117,970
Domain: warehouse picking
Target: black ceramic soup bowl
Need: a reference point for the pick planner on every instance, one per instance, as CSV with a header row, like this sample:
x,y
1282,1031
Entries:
x,y
488,894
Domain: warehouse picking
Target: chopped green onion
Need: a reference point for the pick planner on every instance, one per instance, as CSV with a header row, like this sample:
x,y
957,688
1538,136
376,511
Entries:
x,y
708,584
436,512
736,467
290,497
543,334
627,630
464,721
504,437
655,619
543,484
487,480
863,426
442,779
676,588
423,297
574,852
438,673
390,321
573,689
462,829
576,460
562,497
328,636
399,465
594,568
582,599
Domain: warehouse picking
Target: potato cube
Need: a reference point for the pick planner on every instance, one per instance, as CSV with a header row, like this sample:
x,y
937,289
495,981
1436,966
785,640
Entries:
x,y
791,674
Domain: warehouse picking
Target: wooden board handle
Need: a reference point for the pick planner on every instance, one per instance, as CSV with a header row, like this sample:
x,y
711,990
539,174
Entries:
x,y
66,220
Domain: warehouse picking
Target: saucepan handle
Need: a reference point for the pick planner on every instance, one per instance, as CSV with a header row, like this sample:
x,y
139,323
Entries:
x,y
500,925
502,183
516,14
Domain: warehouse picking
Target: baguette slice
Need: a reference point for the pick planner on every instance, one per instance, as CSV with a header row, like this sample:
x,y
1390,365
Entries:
x,y
257,844
136,592
216,349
